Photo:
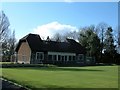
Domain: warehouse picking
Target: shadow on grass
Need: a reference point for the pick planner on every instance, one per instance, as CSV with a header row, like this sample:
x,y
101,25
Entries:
x,y
75,89
58,69
55,87
48,87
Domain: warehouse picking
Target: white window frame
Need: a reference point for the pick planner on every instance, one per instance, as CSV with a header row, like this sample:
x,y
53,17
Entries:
x,y
24,58
81,55
62,54
53,57
66,59
40,53
63,57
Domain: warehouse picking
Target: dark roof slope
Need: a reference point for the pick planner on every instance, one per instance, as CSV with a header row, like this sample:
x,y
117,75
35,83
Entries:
x,y
33,40
36,44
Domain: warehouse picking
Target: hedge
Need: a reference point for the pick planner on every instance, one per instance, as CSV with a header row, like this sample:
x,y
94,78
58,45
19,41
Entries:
x,y
26,65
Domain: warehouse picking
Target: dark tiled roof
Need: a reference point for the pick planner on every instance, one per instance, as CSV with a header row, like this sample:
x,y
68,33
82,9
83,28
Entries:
x,y
36,44
33,40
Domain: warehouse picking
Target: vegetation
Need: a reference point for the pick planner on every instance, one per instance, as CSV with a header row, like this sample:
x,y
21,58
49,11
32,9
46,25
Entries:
x,y
7,40
4,26
17,65
118,37
90,41
64,77
98,40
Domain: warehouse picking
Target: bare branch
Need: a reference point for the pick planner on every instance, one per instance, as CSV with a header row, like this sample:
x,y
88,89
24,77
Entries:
x,y
4,26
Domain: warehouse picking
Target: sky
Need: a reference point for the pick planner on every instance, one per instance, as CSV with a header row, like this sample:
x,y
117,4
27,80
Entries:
x,y
48,18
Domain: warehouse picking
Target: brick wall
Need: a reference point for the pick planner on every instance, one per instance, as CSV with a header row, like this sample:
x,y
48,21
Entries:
x,y
24,53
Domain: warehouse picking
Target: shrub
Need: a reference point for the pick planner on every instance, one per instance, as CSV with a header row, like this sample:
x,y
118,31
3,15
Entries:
x,y
26,65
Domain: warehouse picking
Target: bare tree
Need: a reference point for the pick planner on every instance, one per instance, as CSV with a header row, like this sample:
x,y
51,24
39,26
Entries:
x,y
8,47
119,35
57,37
11,42
4,26
100,30
73,35
48,38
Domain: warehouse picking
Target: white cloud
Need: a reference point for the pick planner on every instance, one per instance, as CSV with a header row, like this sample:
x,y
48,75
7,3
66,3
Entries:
x,y
54,27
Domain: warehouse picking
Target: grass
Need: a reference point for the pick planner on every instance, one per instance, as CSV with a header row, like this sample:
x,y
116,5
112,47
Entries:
x,y
64,77
6,62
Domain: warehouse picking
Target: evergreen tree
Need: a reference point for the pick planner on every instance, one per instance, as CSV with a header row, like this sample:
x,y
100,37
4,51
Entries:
x,y
89,39
109,47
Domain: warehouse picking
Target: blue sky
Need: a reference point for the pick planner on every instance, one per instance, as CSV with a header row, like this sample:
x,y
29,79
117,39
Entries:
x,y
46,18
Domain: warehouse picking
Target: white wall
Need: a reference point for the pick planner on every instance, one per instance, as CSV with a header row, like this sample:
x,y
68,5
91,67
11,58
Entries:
x,y
61,53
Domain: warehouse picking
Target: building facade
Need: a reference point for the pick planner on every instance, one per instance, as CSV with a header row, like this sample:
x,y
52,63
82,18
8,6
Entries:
x,y
31,49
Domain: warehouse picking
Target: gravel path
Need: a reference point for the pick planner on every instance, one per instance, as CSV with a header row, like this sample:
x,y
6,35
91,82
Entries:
x,y
6,85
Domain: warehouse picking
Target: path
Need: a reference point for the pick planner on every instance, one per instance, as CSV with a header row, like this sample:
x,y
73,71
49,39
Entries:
x,y
6,85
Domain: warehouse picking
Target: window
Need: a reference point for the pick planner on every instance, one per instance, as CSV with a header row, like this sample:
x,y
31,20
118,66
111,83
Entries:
x,y
54,57
74,58
80,57
39,56
50,57
23,58
65,58
59,57
70,58
62,58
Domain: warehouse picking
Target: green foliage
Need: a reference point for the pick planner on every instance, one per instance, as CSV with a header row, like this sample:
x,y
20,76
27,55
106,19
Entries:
x,y
5,51
89,39
109,46
64,77
13,65
99,43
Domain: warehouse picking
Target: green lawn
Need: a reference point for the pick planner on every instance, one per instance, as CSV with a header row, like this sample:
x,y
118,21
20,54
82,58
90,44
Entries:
x,y
64,77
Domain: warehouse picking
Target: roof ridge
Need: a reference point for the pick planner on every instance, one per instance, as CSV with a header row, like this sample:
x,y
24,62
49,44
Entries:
x,y
25,37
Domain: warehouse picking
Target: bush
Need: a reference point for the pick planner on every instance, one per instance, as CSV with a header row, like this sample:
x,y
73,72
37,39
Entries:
x,y
12,65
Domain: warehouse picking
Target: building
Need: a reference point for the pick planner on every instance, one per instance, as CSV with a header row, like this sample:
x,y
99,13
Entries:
x,y
32,49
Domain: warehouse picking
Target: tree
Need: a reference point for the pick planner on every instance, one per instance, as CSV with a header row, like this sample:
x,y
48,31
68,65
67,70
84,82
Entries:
x,y
11,43
119,36
5,51
4,26
72,35
117,39
57,37
48,38
100,30
109,47
109,42
4,29
89,39
8,47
